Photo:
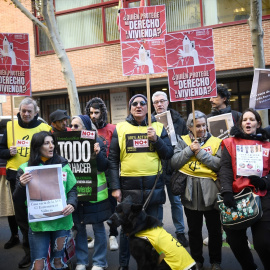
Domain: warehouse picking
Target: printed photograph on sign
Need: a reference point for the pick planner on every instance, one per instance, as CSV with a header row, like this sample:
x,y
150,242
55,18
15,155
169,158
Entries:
x,y
260,91
194,82
249,160
142,32
220,125
190,48
45,193
14,64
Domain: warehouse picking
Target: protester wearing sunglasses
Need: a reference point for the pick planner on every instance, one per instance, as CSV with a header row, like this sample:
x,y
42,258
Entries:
x,y
139,149
94,212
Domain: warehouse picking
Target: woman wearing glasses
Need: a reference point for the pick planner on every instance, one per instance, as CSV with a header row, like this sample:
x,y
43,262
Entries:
x,y
139,149
93,212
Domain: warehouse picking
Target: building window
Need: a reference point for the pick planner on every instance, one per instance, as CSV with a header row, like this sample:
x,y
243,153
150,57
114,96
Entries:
x,y
181,14
85,23
188,14
82,23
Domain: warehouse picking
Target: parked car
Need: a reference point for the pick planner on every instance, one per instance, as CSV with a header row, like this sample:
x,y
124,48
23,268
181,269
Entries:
x,y
3,126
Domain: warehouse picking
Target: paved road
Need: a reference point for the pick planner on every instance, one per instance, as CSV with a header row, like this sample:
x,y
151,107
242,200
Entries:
x,y
9,258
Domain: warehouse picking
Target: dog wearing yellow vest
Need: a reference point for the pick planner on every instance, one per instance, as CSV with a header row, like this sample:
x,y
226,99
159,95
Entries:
x,y
152,247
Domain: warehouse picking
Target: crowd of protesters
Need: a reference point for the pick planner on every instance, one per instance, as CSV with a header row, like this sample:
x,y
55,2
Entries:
x,y
126,170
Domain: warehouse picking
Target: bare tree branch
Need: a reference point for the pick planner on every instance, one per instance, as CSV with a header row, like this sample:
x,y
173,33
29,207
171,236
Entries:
x,y
47,10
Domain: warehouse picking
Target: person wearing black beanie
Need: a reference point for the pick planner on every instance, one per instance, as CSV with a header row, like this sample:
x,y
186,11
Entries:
x,y
137,150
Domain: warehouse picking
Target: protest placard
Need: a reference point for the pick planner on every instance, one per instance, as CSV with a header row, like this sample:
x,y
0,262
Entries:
x,y
220,125
260,91
45,193
142,33
249,160
191,67
166,119
14,64
78,148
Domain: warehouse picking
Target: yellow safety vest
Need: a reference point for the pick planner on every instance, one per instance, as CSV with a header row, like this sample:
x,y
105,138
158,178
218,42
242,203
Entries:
x,y
194,167
137,155
176,255
21,133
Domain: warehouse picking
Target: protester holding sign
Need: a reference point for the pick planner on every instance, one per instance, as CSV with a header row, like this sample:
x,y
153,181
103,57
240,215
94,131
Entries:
x,y
236,173
92,212
137,150
198,156
160,102
17,153
56,232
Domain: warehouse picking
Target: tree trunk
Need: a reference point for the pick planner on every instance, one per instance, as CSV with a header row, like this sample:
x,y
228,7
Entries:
x,y
255,24
52,33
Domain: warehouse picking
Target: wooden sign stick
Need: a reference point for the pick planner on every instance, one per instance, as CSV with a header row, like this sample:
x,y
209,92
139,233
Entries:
x,y
12,119
194,128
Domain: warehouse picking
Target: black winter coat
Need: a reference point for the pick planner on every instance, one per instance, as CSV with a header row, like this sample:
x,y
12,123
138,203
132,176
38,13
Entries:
x,y
235,115
139,187
226,172
92,213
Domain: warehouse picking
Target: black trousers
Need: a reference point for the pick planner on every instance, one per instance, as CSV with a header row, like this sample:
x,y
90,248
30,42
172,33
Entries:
x,y
195,224
113,204
21,219
11,219
237,239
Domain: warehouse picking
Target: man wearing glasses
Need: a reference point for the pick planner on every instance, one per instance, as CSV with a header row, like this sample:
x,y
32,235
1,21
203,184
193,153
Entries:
x,y
137,150
160,102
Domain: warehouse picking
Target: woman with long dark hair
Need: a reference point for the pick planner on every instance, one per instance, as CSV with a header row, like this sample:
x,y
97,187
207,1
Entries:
x,y
246,136
41,234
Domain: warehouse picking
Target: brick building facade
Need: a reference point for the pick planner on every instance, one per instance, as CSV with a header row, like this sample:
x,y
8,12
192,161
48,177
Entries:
x,y
98,69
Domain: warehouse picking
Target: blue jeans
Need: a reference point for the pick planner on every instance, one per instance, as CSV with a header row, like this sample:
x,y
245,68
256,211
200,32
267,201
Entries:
x,y
40,242
176,209
100,246
124,254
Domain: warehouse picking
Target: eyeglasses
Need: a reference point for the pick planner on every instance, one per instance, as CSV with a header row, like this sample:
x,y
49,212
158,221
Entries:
x,y
142,103
75,126
159,101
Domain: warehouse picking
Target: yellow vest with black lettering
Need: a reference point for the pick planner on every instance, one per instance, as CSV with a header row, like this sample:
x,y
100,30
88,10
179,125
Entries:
x,y
21,133
194,167
176,255
137,159
102,189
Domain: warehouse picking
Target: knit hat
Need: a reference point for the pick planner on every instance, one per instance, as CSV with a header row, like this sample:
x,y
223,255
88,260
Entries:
x,y
58,115
135,96
86,121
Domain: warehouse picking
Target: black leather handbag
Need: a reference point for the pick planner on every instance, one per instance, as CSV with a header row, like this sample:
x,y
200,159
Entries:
x,y
178,183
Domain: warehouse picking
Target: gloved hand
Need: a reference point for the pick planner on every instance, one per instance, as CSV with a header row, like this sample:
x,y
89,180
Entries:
x,y
258,182
229,200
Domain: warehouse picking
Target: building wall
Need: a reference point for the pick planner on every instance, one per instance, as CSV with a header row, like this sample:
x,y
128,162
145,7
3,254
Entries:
x,y
102,65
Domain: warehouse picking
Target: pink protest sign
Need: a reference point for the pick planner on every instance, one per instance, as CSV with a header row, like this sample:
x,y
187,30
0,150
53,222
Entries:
x,y
142,32
14,65
191,67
